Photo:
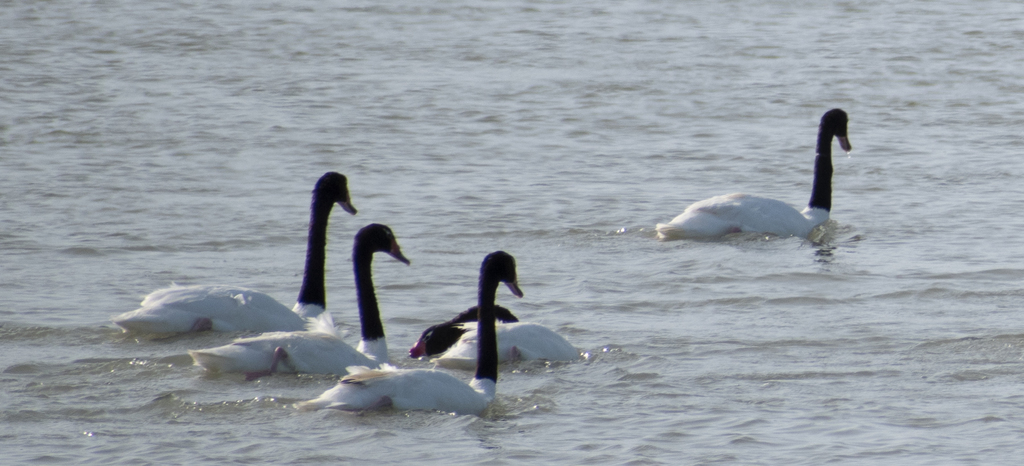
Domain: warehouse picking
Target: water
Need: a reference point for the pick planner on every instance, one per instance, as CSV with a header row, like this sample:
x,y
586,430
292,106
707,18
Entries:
x,y
144,144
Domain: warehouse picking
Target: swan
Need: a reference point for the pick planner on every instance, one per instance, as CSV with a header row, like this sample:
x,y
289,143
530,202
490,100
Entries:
x,y
437,338
456,342
319,349
229,308
432,389
735,213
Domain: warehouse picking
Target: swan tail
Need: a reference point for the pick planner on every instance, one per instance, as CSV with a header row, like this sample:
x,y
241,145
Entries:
x,y
208,360
157,320
313,405
323,323
668,231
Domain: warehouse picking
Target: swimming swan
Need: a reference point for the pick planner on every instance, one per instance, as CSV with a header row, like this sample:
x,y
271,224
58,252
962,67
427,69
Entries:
x,y
319,349
228,308
455,342
432,389
735,213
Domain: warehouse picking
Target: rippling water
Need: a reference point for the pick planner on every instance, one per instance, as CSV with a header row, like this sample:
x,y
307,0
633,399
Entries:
x,y
149,143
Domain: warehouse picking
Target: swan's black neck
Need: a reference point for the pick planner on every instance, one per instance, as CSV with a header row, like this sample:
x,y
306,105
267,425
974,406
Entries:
x,y
312,291
487,345
821,192
369,313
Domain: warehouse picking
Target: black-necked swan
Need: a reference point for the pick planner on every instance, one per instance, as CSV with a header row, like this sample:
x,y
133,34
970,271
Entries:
x,y
319,349
437,338
230,308
454,343
736,213
432,389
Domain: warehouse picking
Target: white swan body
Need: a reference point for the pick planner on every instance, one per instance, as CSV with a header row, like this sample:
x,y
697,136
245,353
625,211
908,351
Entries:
x,y
228,309
432,389
524,341
202,307
405,389
742,213
318,350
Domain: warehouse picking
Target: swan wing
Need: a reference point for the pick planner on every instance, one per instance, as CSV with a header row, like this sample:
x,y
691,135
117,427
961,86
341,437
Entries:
x,y
525,340
736,213
403,389
176,309
308,352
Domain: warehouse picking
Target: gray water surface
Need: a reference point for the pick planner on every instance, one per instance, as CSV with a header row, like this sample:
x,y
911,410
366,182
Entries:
x,y
148,143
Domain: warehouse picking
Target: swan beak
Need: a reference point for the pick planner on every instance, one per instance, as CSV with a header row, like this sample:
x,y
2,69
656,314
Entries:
x,y
347,206
844,143
418,350
396,252
514,288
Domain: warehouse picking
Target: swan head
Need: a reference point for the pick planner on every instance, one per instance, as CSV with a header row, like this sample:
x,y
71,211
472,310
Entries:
x,y
379,238
437,339
501,265
333,187
834,122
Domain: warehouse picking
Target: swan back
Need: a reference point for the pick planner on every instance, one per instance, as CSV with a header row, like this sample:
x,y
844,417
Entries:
x,y
229,309
367,388
318,350
520,340
739,213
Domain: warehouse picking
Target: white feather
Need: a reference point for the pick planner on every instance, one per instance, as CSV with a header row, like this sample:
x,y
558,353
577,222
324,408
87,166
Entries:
x,y
517,340
741,213
317,350
177,308
405,389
